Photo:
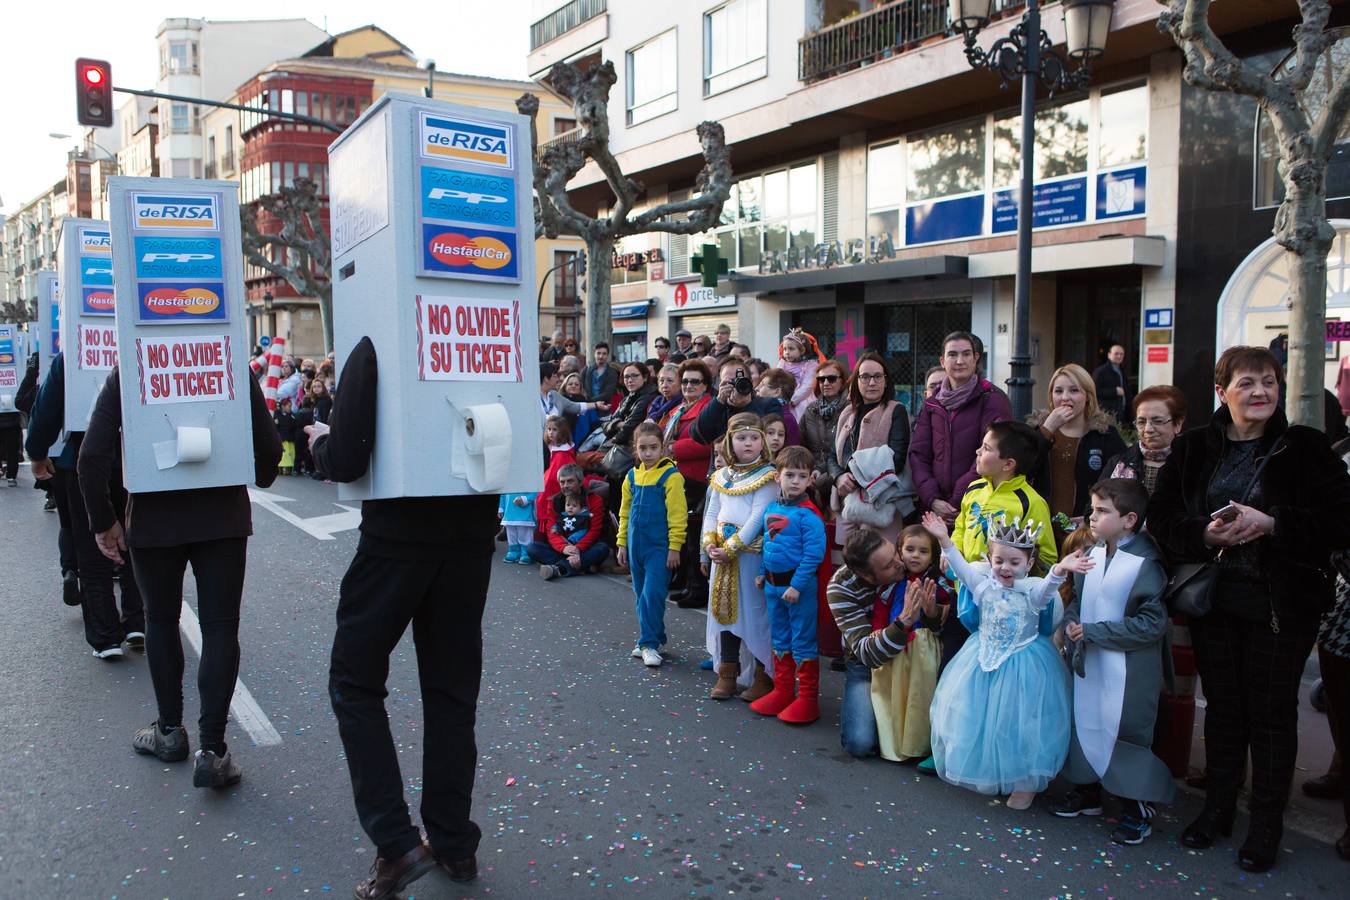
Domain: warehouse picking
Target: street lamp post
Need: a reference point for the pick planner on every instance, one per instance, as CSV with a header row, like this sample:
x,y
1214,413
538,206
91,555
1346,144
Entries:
x,y
1028,54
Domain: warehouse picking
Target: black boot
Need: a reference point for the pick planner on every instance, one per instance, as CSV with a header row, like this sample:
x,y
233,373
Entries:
x,y
1263,843
1211,822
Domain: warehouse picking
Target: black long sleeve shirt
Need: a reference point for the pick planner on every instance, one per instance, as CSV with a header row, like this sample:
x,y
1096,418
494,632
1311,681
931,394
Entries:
x,y
424,528
170,518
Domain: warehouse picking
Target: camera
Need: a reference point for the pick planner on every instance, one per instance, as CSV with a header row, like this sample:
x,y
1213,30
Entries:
x,y
742,384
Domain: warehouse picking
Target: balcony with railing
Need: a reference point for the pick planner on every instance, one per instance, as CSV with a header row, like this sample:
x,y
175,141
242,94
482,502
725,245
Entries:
x,y
209,171
563,20
567,137
227,163
875,35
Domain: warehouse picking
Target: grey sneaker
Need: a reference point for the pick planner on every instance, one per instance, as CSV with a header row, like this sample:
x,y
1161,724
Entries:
x,y
136,641
171,747
211,771
113,651
548,573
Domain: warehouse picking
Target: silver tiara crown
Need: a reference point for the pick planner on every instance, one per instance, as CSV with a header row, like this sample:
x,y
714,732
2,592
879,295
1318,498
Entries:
x,y
1024,537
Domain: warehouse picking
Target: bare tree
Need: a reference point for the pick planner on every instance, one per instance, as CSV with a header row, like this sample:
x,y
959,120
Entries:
x,y
557,164
1306,137
18,311
307,256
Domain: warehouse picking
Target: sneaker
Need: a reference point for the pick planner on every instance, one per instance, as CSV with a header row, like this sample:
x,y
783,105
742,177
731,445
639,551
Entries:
x,y
1131,830
1079,802
706,665
136,641
928,766
211,771
548,573
70,588
152,741
14,482
512,554
651,658
50,505
637,652
112,652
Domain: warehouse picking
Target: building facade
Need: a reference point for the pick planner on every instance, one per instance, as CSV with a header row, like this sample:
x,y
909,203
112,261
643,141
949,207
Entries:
x,y
876,177
32,233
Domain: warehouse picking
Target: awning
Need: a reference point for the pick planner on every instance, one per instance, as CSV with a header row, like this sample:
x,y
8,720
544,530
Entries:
x,y
815,279
635,310
1102,253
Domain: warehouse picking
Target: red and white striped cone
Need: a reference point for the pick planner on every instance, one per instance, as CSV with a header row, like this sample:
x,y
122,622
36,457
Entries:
x,y
1172,743
257,365
273,373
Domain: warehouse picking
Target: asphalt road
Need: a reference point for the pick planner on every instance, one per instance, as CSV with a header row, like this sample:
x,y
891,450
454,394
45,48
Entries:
x,y
595,774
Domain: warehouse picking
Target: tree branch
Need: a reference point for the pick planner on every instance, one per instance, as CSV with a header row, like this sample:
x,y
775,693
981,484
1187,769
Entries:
x,y
1209,63
1328,125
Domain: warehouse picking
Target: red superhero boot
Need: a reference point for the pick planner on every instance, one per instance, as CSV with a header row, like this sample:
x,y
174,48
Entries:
x,y
806,708
784,681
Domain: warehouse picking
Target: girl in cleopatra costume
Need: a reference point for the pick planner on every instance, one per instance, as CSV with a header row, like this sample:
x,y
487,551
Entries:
x,y
1000,715
902,689
733,520
799,355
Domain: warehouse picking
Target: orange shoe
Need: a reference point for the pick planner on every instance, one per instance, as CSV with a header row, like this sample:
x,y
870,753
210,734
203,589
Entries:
x,y
784,687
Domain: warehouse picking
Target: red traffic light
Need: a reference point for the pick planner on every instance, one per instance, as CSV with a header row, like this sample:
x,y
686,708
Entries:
x,y
93,92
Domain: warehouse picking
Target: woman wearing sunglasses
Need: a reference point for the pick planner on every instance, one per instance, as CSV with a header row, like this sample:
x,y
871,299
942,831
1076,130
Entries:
x,y
688,587
820,420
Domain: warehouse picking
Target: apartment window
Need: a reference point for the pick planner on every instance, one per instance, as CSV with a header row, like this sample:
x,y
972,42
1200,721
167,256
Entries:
x,y
565,278
1061,143
211,149
651,78
182,168
562,126
180,118
775,212
947,162
1122,122
178,58
735,41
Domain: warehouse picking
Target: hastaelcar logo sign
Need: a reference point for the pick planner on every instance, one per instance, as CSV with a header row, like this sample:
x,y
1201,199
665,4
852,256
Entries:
x,y
177,257
97,301
95,240
183,211
468,197
186,301
96,271
469,251
467,140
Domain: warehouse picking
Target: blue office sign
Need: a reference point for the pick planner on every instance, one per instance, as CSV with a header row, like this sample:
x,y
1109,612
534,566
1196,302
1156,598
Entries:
x,y
1055,203
944,220
1122,193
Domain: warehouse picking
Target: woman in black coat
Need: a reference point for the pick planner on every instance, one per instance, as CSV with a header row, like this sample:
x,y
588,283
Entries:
x,y
1273,584
640,390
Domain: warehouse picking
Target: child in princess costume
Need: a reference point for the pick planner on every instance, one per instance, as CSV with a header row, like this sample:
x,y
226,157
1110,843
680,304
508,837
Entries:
x,y
1000,716
733,521
799,355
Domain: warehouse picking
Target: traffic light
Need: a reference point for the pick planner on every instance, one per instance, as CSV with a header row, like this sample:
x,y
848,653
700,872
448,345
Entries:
x,y
581,263
93,92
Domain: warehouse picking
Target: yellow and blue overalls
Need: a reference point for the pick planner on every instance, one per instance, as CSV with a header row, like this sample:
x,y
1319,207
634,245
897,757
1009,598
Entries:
x,y
653,519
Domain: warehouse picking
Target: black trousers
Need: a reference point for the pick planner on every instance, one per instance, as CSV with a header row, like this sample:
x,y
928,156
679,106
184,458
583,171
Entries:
x,y
57,485
444,602
1336,683
218,567
1251,677
11,439
103,625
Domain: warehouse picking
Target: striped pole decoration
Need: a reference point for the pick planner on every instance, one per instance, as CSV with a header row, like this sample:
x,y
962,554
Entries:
x,y
273,373
258,365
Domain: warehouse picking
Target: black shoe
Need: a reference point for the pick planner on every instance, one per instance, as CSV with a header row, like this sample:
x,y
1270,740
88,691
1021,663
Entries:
x,y
50,505
1325,787
136,641
692,601
171,747
70,588
1262,846
838,665
211,771
1211,822
1079,802
460,870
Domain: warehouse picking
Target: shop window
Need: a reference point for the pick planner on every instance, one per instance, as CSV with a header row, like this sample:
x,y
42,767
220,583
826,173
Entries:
x,y
945,163
735,42
1269,188
1122,127
1061,143
767,213
651,69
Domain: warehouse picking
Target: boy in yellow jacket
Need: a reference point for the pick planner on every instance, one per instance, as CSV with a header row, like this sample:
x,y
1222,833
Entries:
x,y
652,522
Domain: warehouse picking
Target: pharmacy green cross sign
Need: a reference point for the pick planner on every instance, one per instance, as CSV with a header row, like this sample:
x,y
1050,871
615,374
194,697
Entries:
x,y
710,264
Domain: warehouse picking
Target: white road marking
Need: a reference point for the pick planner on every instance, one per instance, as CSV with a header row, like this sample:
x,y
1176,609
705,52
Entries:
x,y
247,713
320,527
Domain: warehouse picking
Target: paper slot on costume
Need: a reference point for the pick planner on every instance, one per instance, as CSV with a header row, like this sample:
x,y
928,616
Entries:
x,y
481,448
6,401
191,444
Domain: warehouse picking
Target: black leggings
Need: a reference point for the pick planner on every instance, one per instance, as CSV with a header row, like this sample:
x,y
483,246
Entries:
x,y
218,567
11,440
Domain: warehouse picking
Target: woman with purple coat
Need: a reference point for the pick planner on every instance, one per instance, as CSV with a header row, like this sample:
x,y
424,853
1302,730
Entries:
x,y
951,425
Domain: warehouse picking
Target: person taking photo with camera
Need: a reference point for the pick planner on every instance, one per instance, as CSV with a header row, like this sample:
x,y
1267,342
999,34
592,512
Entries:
x,y
735,394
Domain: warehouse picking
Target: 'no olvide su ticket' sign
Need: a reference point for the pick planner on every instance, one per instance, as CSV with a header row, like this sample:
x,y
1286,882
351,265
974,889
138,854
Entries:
x,y
184,369
468,339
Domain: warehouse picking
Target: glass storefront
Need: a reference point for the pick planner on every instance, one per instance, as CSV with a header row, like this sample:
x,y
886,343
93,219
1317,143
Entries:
x,y
909,336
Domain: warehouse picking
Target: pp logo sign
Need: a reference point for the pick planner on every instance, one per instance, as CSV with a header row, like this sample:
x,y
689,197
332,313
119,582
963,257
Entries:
x,y
175,257
469,252
96,271
468,197
182,302
197,212
467,140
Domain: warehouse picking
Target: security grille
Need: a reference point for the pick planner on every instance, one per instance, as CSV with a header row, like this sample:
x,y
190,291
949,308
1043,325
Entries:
x,y
820,324
910,337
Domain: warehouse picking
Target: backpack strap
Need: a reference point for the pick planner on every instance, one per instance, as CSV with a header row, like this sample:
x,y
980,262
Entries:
x,y
1026,503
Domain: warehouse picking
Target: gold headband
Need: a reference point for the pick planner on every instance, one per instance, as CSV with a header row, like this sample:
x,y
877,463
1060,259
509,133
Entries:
x,y
738,429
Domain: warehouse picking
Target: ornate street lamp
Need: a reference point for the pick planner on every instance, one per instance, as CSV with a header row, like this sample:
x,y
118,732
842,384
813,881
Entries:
x,y
1027,53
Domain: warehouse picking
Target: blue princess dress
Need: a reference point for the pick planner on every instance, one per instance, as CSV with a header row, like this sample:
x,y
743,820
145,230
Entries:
x,y
1000,716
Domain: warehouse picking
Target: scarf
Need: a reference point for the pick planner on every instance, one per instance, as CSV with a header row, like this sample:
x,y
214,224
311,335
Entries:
x,y
660,406
1155,455
829,409
953,399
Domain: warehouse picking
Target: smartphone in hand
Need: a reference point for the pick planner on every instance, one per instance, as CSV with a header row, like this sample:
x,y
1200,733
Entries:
x,y
1226,514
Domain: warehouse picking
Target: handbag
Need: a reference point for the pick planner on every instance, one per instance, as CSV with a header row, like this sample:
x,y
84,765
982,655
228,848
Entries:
x,y
1190,586
618,460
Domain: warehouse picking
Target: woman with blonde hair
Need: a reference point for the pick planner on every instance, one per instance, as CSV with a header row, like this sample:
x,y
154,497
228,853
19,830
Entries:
x,y
1077,439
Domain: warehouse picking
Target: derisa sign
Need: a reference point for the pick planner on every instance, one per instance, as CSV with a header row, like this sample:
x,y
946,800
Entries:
x,y
469,251
181,301
95,240
182,211
467,140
